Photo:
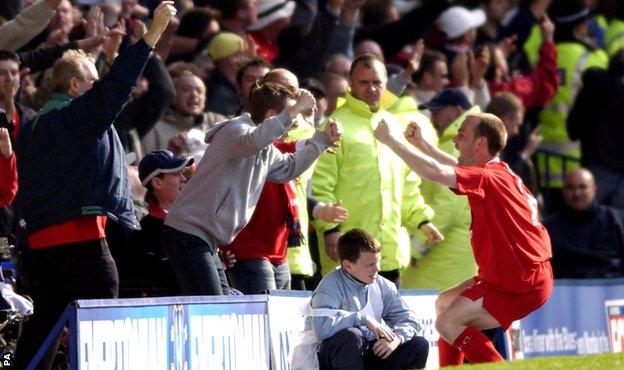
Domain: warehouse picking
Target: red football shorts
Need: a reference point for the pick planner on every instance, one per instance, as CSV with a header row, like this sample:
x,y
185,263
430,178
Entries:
x,y
505,306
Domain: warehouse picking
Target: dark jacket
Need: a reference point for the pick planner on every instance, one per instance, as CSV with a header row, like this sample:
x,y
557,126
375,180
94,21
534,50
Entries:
x,y
141,114
597,120
308,56
44,57
587,244
222,96
393,36
69,157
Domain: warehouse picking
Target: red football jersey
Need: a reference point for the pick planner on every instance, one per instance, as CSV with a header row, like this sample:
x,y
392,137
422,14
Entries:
x,y
507,238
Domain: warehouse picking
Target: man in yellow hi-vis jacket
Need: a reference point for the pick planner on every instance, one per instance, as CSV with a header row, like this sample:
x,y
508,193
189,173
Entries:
x,y
381,194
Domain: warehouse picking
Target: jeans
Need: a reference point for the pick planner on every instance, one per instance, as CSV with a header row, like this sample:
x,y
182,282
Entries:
x,y
195,263
258,276
349,350
62,274
609,186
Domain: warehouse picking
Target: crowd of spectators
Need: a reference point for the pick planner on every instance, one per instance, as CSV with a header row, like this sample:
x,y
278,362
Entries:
x,y
90,168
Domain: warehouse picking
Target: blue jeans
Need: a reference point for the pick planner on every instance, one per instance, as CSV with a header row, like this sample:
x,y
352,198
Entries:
x,y
195,263
258,276
609,186
348,350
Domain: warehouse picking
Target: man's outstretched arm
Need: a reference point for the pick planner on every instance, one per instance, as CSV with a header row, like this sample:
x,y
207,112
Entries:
x,y
425,166
414,136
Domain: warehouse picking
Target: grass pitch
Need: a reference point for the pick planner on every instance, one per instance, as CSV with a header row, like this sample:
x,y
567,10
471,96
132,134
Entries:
x,y
595,362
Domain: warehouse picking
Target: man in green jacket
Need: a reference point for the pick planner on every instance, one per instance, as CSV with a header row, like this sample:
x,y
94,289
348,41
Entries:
x,y
452,261
381,194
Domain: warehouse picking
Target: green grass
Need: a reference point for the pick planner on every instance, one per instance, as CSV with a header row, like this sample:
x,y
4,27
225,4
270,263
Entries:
x,y
595,362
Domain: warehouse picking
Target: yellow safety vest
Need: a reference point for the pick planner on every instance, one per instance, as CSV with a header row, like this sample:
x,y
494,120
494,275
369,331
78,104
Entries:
x,y
380,192
532,45
572,60
614,38
299,259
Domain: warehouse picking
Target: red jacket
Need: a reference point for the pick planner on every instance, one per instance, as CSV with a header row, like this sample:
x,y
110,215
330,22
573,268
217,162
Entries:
x,y
538,87
8,179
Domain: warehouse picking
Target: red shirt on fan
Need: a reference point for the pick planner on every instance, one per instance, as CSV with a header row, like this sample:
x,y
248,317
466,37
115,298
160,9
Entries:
x,y
265,236
508,241
8,179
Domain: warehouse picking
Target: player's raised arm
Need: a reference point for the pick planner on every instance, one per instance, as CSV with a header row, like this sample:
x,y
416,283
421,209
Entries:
x,y
425,166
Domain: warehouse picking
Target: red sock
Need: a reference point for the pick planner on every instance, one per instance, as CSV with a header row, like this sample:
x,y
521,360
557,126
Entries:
x,y
476,347
449,355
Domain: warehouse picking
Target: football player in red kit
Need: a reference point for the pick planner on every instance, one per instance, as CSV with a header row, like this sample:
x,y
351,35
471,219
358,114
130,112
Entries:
x,y
510,245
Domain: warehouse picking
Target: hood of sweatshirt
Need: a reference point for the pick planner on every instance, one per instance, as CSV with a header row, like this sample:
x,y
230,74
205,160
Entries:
x,y
218,126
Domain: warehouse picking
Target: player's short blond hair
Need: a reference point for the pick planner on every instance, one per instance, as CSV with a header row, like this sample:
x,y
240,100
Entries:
x,y
493,129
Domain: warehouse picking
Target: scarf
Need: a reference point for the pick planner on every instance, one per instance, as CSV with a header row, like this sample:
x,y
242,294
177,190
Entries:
x,y
295,236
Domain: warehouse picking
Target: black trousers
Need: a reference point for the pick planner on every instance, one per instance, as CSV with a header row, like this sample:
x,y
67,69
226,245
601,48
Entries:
x,y
349,350
62,274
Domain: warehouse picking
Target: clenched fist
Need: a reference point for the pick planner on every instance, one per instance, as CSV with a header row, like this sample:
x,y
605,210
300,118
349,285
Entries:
x,y
333,130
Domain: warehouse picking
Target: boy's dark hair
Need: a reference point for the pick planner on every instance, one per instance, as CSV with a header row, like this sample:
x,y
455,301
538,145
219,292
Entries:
x,y
355,242
268,95
9,55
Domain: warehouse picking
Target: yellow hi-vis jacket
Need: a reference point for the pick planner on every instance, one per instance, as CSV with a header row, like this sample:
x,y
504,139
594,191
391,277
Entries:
x,y
299,259
572,60
380,192
614,38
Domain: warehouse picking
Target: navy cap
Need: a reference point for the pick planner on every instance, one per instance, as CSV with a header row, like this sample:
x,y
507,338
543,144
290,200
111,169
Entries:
x,y
446,98
161,161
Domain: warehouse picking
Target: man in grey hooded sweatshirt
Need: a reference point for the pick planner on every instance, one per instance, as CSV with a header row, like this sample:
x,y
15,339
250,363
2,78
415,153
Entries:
x,y
222,195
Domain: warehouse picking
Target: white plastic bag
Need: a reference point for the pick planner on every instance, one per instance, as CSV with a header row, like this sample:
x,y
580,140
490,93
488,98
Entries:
x,y
304,354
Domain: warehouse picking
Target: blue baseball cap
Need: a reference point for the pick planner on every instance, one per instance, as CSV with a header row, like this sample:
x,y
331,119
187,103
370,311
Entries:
x,y
445,98
161,161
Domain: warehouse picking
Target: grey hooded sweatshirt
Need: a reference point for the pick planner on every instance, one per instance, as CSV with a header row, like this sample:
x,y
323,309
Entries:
x,y
222,195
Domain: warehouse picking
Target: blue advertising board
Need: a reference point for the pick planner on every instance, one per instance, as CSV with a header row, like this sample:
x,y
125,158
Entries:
x,y
575,319
181,333
195,333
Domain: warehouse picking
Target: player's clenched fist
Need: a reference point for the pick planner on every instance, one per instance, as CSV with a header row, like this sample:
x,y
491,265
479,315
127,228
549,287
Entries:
x,y
413,134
